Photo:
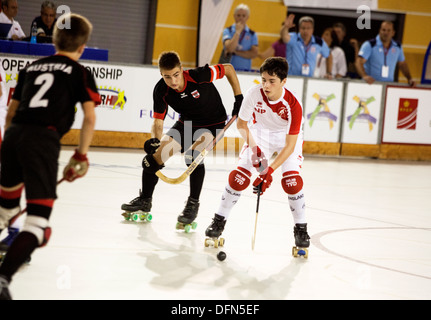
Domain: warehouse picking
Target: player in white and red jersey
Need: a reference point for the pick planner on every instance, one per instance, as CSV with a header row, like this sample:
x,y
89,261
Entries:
x,y
270,121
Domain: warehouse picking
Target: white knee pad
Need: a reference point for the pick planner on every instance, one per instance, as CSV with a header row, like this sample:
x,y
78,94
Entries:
x,y
6,215
38,226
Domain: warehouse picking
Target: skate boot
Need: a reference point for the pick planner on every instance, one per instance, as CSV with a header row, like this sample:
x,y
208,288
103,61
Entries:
x,y
137,209
214,231
187,217
302,240
4,289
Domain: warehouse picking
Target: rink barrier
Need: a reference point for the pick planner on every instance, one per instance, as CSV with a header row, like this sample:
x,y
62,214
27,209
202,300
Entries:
x,y
342,117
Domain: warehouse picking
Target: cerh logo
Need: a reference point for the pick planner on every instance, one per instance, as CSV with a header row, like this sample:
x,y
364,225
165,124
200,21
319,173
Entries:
x,y
112,98
407,114
362,112
322,114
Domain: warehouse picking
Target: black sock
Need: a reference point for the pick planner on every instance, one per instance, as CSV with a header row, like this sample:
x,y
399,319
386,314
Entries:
x,y
149,181
18,253
197,181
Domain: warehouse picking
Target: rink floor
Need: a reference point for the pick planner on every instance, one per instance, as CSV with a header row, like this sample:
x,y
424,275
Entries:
x,y
369,222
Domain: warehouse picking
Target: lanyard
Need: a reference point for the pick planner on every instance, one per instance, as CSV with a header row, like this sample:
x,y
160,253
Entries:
x,y
385,52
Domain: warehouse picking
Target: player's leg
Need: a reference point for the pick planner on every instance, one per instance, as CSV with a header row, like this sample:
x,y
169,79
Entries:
x,y
151,163
38,154
238,181
292,184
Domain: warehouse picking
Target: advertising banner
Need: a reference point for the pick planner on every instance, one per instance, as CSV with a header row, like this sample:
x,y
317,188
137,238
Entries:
x,y
407,115
323,106
362,110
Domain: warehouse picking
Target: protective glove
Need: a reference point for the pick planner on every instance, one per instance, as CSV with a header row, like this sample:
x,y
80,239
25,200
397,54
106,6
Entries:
x,y
151,145
264,180
77,167
237,104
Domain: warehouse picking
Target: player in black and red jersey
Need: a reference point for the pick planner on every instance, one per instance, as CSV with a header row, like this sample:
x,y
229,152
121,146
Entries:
x,y
41,111
192,94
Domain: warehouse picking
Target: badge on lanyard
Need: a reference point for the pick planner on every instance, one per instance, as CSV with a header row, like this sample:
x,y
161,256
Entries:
x,y
305,69
385,71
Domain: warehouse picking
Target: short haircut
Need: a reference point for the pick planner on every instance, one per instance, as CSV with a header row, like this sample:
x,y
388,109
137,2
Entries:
x,y
169,60
70,36
242,6
275,66
49,5
306,19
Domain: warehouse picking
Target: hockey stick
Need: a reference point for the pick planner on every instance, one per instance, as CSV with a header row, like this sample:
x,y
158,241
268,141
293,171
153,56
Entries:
x,y
253,237
198,159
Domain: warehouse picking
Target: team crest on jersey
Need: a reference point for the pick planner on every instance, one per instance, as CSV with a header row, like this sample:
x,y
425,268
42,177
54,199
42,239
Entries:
x,y
259,108
196,94
282,112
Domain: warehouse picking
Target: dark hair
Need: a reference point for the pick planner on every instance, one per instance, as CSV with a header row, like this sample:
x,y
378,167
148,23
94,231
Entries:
x,y
70,36
277,66
169,60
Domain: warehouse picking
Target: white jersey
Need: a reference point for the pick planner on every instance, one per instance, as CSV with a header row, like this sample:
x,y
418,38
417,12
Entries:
x,y
284,115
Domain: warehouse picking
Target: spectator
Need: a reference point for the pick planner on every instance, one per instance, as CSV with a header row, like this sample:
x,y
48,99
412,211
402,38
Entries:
x,y
239,41
302,48
9,12
378,57
350,48
46,21
277,49
339,65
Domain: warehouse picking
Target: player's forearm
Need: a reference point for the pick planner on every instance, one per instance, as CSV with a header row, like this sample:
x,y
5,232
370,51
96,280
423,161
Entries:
x,y
87,129
245,132
13,105
157,129
232,78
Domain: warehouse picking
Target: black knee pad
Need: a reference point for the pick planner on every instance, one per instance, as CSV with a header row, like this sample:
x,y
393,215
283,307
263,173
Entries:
x,y
191,156
150,164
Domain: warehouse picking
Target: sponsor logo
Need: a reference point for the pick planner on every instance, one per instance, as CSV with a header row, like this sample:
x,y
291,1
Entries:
x,y
362,112
259,108
322,110
112,98
407,114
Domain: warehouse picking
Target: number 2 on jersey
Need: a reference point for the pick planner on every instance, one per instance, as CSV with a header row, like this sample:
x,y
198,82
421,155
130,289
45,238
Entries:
x,y
45,80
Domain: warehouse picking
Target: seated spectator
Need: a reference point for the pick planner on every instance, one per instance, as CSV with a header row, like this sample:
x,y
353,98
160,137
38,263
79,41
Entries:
x,y
46,21
339,65
239,41
9,12
379,57
302,48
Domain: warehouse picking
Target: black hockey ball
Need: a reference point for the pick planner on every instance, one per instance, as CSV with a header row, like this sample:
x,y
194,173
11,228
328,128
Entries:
x,y
221,255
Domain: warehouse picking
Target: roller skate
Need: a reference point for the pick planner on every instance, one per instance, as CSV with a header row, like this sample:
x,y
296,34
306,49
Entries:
x,y
302,241
214,231
4,289
186,220
137,209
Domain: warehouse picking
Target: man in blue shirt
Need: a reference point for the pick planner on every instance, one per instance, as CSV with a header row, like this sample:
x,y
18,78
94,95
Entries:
x,y
239,41
302,48
379,57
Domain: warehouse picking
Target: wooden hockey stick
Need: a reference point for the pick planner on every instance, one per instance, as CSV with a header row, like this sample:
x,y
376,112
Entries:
x,y
253,237
198,159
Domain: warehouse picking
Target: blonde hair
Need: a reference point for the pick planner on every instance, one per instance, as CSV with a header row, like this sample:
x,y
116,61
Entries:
x,y
71,31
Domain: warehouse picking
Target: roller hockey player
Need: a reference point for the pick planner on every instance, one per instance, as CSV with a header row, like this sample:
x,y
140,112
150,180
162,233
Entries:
x,y
192,94
276,126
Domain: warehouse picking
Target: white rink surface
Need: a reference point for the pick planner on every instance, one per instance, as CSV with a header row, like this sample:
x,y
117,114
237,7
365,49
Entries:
x,y
369,220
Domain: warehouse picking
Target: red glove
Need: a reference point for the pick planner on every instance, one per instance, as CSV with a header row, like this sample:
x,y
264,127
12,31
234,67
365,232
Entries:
x,y
258,159
77,167
264,180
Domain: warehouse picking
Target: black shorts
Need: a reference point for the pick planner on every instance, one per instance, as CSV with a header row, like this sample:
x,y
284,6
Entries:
x,y
29,155
186,135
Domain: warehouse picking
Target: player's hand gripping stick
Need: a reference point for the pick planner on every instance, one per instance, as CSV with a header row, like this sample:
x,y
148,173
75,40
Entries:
x,y
77,167
263,181
258,159
151,145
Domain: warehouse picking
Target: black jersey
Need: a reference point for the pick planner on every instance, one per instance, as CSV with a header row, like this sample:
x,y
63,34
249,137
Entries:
x,y
48,90
199,101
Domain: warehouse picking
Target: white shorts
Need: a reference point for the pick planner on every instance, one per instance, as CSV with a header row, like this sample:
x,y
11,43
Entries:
x,y
269,143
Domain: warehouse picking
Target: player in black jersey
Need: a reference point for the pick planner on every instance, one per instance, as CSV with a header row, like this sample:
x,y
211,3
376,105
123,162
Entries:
x,y
192,94
41,111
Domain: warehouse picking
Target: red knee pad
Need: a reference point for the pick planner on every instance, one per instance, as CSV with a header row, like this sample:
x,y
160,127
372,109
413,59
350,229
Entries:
x,y
239,179
292,182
